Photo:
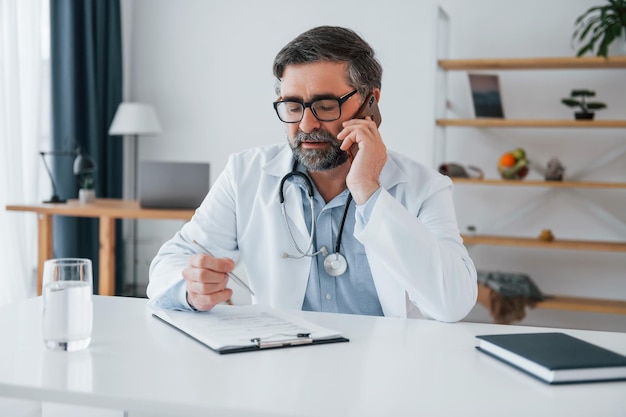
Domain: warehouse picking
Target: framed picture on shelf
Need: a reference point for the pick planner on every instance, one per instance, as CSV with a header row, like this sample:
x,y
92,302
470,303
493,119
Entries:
x,y
486,95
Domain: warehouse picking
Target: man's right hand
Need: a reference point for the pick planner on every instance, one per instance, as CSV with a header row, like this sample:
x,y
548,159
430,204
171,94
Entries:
x,y
205,280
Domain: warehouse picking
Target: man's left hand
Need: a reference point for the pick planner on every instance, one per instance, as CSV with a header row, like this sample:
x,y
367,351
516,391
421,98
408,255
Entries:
x,y
362,180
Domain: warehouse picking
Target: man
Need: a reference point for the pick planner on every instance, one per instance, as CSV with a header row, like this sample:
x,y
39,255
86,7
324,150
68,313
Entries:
x,y
315,224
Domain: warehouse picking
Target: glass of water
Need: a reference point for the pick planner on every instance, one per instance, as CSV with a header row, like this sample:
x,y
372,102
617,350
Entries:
x,y
67,303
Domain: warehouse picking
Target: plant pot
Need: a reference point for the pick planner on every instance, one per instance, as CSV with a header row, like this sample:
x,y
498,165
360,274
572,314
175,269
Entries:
x,y
86,196
584,116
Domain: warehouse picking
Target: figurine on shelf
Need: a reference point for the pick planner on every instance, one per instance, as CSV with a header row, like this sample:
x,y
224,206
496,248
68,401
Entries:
x,y
546,235
454,170
554,170
506,295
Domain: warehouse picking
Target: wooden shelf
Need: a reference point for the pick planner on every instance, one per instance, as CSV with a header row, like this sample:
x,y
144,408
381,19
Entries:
x,y
583,304
556,302
540,183
530,123
533,63
536,243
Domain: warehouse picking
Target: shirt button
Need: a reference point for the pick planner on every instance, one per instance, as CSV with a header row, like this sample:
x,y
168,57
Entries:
x,y
328,296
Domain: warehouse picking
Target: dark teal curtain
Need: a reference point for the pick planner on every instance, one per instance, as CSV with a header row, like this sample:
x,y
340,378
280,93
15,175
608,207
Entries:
x,y
86,59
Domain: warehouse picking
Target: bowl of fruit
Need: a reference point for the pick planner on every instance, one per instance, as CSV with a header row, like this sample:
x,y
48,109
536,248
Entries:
x,y
513,165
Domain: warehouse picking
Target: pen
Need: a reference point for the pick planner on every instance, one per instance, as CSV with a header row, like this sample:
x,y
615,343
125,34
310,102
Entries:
x,y
230,274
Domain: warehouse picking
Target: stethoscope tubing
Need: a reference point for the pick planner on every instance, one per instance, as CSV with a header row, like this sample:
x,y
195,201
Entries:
x,y
308,252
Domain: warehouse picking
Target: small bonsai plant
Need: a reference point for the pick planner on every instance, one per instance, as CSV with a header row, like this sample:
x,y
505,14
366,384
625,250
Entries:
x,y
600,26
578,98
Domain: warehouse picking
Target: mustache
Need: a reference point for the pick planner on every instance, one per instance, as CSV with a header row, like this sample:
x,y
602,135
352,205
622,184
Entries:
x,y
316,136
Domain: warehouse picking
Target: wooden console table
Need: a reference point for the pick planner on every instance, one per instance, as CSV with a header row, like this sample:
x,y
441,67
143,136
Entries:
x,y
107,211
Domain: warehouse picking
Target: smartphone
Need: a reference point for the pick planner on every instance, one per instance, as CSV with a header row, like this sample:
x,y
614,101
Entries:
x,y
368,108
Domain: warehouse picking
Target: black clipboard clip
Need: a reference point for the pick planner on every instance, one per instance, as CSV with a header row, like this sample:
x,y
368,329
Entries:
x,y
299,339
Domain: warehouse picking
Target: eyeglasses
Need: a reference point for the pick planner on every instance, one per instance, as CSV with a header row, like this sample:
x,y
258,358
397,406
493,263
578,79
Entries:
x,y
324,109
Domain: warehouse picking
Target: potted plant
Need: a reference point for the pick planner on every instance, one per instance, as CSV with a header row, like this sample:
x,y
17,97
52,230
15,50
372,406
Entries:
x,y
600,26
86,192
578,98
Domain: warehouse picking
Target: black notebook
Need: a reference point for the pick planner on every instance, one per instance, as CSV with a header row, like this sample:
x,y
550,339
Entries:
x,y
555,358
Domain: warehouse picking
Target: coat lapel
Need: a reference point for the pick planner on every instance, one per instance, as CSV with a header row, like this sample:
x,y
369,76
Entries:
x,y
278,167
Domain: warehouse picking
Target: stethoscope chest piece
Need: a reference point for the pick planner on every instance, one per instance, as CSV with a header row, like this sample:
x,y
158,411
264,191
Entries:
x,y
335,264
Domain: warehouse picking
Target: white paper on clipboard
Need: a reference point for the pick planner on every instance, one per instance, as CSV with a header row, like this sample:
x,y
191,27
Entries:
x,y
241,328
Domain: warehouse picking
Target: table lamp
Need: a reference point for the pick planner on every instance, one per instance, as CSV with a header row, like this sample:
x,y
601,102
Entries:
x,y
83,165
135,119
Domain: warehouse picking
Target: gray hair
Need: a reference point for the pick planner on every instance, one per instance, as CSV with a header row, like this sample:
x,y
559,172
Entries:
x,y
335,44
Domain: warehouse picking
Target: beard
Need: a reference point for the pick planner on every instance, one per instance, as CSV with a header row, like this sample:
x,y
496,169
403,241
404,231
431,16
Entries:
x,y
318,159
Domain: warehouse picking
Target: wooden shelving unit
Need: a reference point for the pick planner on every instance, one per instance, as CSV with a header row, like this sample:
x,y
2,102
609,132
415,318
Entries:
x,y
540,183
539,63
545,63
527,242
595,305
532,123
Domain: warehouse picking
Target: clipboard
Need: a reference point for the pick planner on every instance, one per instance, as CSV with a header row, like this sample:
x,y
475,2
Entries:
x,y
234,329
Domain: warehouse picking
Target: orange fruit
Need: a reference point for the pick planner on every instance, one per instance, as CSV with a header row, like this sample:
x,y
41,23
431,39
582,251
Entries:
x,y
507,160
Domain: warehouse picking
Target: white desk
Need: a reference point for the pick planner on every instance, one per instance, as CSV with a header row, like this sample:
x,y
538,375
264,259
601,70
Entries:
x,y
391,367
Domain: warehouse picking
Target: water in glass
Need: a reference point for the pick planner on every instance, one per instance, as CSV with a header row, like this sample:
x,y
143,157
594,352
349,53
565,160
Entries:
x,y
67,296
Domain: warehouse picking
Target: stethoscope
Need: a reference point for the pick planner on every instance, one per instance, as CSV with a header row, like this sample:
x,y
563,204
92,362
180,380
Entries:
x,y
335,264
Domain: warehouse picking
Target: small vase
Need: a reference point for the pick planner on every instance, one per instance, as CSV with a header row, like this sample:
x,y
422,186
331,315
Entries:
x,y
86,196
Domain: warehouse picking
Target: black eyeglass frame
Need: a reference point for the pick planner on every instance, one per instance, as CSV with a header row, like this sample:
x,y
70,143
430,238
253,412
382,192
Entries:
x,y
340,101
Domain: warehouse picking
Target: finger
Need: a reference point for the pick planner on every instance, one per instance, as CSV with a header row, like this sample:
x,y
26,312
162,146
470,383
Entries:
x,y
205,280
204,302
347,143
366,122
358,128
205,288
353,139
348,137
204,261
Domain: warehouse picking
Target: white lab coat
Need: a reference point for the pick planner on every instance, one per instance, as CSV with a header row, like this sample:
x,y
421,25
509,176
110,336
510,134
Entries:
x,y
412,241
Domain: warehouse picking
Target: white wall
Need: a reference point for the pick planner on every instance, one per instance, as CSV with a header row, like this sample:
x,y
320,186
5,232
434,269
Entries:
x,y
206,67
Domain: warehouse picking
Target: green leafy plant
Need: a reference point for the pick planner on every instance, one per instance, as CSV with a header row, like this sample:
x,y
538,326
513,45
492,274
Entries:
x,y
578,98
86,182
599,26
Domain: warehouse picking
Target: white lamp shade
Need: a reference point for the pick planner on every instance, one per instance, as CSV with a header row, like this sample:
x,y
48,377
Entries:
x,y
135,119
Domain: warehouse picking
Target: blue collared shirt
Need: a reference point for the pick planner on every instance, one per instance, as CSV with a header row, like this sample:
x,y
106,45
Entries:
x,y
353,292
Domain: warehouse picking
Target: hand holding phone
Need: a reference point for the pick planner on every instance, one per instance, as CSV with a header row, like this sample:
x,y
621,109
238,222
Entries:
x,y
368,108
